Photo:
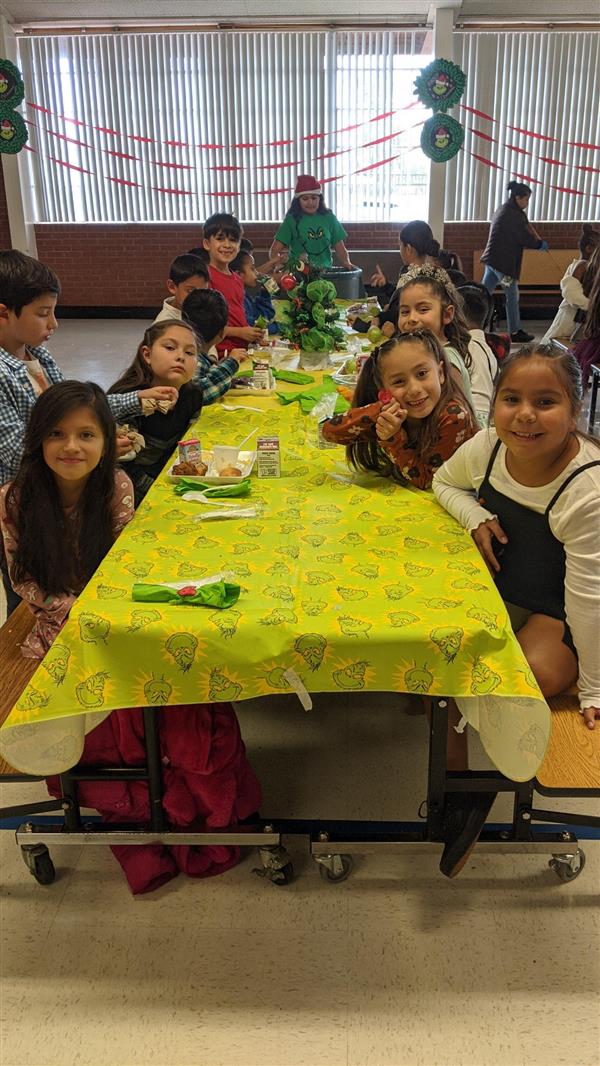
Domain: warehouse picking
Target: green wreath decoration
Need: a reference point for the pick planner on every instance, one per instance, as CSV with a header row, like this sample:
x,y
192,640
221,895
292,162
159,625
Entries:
x,y
441,138
13,133
440,85
12,89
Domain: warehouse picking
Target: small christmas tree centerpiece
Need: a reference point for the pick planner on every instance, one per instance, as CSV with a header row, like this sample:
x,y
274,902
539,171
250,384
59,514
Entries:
x,y
310,314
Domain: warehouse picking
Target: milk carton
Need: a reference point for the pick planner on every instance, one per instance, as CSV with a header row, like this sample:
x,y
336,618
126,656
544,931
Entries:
x,y
268,459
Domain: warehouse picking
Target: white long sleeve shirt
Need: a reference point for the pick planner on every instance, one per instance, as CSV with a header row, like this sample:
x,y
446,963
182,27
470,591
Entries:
x,y
574,521
573,299
483,370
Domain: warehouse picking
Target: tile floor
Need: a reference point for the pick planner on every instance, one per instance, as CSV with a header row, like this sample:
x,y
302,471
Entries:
x,y
394,967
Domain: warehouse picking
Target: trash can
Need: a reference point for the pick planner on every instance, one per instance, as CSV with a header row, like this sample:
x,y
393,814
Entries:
x,y
348,283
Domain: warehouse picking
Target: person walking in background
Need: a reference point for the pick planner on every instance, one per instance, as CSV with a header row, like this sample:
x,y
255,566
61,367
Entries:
x,y
510,233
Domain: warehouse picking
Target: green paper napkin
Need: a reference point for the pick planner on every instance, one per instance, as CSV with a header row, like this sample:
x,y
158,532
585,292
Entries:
x,y
216,594
240,488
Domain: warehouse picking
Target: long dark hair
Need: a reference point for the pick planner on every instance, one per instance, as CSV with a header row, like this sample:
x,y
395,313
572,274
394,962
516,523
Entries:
x,y
60,553
564,365
296,211
139,374
437,281
367,454
588,240
420,237
517,188
591,274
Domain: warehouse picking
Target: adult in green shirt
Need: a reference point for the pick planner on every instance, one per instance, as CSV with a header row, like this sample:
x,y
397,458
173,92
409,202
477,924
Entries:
x,y
310,230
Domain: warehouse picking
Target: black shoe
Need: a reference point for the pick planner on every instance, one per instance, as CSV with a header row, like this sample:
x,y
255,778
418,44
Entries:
x,y
464,818
520,337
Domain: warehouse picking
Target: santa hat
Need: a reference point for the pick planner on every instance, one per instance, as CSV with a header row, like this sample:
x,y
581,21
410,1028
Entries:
x,y
305,183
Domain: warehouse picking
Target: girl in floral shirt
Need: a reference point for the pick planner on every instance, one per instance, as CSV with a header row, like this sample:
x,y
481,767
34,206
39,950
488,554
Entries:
x,y
66,506
409,413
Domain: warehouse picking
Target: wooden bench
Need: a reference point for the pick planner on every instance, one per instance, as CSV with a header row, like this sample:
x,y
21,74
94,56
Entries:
x,y
572,761
15,669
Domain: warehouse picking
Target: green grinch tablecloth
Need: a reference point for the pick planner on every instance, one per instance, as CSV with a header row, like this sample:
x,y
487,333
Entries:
x,y
352,582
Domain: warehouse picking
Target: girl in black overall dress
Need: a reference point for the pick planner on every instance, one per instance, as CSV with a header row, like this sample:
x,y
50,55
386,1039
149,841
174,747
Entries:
x,y
529,492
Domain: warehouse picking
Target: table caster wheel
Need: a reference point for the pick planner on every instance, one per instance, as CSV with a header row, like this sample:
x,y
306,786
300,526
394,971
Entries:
x,y
334,868
568,867
37,860
276,865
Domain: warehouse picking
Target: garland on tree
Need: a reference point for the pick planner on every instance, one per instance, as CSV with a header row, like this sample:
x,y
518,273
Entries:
x,y
310,315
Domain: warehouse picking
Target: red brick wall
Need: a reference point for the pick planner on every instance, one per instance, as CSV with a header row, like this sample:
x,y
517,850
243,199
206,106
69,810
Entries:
x,y
4,227
126,265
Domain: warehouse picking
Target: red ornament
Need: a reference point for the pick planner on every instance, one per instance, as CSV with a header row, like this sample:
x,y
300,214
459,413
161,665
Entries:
x,y
384,396
187,590
288,282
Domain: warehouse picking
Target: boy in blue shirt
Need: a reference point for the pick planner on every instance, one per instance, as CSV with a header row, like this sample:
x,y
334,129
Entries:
x,y
257,304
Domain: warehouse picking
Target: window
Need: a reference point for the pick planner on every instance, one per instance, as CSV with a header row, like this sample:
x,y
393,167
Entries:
x,y
170,127
542,83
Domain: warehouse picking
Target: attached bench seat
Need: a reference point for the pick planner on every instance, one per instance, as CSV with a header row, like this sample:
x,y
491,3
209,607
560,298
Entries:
x,y
15,670
572,761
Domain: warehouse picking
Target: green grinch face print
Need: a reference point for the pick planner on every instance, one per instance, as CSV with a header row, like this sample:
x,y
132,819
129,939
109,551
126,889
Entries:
x,y
276,570
318,577
313,540
141,618
441,604
418,679
398,591
226,622
399,619
366,571
533,741
490,621
221,688
56,662
448,640
316,240
354,627
313,607
275,678
90,693
111,592
33,700
183,647
280,592
279,617
351,677
93,628
139,570
157,691
352,594
414,570
465,568
466,583
311,647
483,679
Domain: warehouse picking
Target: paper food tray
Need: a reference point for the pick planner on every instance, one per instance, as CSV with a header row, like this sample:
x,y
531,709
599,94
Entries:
x,y
246,462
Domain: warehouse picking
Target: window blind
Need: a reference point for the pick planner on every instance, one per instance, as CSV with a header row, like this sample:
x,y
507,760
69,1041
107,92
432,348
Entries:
x,y
128,122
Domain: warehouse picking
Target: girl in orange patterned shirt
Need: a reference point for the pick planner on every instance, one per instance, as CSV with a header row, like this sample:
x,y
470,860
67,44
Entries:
x,y
409,413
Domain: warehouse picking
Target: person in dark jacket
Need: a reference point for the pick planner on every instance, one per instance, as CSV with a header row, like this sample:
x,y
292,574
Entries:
x,y
510,233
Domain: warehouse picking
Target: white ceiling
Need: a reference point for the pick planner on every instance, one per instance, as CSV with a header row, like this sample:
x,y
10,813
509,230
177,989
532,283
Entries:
x,y
23,13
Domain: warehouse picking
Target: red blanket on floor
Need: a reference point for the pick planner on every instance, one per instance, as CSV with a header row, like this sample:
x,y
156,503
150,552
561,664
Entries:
x,y
207,780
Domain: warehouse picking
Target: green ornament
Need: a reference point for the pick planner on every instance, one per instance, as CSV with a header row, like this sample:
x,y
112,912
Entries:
x,y
13,132
12,89
441,138
440,85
